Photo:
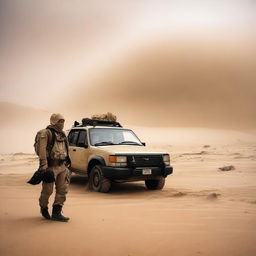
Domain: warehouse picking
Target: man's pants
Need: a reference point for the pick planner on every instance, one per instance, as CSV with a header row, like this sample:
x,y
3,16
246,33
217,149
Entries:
x,y
62,180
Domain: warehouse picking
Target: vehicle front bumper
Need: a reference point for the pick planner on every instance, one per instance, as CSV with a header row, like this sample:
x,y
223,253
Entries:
x,y
123,173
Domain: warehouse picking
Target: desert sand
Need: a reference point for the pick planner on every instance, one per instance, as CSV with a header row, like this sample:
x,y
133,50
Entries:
x,y
201,210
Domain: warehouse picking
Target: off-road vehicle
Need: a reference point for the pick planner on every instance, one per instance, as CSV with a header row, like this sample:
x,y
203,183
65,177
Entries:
x,y
106,152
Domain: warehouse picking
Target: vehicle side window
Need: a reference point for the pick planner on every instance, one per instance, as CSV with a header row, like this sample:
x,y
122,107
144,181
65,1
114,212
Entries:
x,y
72,138
82,139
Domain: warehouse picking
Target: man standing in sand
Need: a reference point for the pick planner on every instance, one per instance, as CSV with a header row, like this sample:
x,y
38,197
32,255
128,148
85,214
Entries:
x,y
53,156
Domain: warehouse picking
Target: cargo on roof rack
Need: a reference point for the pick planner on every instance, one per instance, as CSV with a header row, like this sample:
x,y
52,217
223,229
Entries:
x,y
94,122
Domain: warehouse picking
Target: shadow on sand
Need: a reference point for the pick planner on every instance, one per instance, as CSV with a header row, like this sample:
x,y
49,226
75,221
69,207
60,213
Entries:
x,y
81,182
29,221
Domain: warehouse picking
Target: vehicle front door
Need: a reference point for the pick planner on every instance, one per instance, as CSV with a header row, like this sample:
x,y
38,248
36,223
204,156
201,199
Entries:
x,y
82,152
78,146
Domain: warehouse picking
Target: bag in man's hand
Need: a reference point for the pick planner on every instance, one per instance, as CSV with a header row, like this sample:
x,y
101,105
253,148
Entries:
x,y
42,175
36,178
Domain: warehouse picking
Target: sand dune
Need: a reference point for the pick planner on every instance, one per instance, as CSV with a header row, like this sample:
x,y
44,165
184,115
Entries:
x,y
19,125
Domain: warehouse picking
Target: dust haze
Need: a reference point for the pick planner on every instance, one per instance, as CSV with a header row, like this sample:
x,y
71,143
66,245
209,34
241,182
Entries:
x,y
153,64
177,83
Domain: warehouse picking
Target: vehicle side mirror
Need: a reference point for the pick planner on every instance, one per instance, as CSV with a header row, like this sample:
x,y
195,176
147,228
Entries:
x,y
143,143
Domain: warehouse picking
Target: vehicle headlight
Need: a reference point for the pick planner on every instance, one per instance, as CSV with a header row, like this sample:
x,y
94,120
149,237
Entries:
x,y
166,159
118,160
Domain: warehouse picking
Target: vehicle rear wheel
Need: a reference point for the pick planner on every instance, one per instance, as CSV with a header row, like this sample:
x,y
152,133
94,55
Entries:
x,y
97,181
155,184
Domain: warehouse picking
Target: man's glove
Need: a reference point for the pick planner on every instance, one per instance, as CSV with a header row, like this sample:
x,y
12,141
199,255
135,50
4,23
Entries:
x,y
43,164
48,176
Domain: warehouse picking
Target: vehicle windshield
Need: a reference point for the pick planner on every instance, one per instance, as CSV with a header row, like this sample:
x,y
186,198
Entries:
x,y
108,136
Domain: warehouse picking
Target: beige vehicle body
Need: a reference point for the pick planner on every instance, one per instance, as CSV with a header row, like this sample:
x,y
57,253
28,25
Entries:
x,y
100,161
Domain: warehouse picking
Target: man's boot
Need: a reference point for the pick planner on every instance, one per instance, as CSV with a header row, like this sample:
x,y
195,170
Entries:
x,y
56,213
45,213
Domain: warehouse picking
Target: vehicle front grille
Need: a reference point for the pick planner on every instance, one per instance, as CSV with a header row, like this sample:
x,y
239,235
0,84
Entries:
x,y
145,160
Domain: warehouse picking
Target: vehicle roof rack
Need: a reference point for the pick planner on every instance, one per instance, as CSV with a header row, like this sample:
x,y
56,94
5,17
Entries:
x,y
94,122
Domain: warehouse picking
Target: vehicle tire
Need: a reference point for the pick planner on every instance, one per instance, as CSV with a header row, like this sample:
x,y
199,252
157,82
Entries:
x,y
155,184
97,181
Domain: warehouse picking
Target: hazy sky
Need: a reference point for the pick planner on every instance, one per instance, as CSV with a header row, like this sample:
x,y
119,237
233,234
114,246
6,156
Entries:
x,y
47,46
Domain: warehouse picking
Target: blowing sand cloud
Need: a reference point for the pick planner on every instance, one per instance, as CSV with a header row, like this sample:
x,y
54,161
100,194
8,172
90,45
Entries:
x,y
200,82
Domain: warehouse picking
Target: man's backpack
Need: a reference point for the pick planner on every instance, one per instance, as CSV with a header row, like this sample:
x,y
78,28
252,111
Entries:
x,y
50,143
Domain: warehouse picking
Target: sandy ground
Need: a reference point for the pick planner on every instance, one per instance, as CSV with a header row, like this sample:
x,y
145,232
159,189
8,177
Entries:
x,y
200,211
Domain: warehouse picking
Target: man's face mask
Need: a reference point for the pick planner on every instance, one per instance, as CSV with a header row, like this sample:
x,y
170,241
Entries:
x,y
60,124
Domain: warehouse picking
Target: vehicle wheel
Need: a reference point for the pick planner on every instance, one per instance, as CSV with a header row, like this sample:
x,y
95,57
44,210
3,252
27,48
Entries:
x,y
155,184
97,181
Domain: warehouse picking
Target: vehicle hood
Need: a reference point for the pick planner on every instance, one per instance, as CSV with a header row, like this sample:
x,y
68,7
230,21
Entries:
x,y
129,149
